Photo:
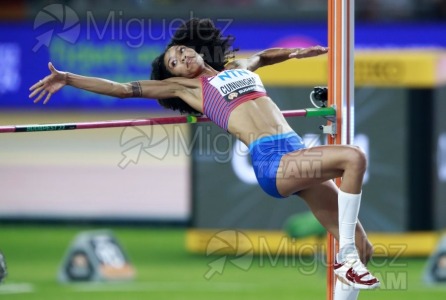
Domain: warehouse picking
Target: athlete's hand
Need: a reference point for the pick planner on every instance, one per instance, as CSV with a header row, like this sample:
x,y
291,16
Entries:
x,y
48,85
309,52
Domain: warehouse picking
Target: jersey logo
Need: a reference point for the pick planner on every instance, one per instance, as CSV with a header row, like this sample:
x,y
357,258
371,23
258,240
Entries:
x,y
231,74
232,96
235,83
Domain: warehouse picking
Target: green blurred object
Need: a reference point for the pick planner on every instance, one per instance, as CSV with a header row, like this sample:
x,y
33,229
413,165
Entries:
x,y
303,225
3,270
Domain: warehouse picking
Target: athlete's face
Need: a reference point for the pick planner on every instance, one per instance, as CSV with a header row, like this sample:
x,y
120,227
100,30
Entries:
x,y
182,61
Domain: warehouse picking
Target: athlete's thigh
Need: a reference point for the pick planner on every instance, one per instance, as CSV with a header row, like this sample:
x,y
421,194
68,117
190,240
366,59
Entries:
x,y
303,168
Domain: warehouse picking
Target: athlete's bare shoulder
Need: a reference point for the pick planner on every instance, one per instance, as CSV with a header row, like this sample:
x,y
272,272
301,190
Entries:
x,y
237,64
186,82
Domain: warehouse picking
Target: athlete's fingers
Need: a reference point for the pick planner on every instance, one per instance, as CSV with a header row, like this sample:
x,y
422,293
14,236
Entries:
x,y
51,67
35,91
37,84
323,49
40,96
47,98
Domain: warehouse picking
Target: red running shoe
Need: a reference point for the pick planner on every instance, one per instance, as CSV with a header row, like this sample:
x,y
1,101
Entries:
x,y
353,272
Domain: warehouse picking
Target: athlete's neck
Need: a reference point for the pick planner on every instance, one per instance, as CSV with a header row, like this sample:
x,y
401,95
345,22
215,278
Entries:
x,y
207,71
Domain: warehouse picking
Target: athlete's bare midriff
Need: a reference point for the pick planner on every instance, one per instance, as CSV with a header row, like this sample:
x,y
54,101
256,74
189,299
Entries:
x,y
257,118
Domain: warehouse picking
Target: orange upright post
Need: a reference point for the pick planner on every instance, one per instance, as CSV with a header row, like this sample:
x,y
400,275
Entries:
x,y
340,93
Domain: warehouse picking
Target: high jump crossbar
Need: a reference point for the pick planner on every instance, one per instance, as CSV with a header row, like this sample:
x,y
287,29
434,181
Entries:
x,y
327,112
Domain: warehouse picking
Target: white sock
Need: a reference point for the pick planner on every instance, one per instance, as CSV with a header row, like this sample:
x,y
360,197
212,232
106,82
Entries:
x,y
348,210
345,292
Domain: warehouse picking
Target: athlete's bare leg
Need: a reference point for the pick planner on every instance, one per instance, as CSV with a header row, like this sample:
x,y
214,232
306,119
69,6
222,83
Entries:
x,y
308,171
322,199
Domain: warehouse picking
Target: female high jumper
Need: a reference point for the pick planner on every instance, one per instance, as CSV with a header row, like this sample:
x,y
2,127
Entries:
x,y
194,75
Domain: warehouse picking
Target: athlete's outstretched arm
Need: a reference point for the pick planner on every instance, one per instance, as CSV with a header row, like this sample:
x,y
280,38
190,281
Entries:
x,y
144,88
275,55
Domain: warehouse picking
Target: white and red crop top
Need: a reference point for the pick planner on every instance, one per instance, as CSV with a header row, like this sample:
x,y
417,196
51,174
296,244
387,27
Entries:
x,y
228,89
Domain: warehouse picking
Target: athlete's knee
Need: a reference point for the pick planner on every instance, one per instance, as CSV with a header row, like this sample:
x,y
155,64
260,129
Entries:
x,y
357,159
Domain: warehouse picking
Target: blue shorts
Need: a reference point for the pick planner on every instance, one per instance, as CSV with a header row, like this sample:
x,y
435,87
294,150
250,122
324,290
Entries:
x,y
266,153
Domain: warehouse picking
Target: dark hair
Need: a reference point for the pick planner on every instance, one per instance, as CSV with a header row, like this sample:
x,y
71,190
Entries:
x,y
206,40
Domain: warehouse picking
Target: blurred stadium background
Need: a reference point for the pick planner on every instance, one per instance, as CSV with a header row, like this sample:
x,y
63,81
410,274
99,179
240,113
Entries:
x,y
181,200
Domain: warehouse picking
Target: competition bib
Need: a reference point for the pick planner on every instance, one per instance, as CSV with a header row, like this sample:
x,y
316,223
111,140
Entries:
x,y
232,84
